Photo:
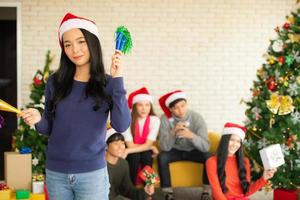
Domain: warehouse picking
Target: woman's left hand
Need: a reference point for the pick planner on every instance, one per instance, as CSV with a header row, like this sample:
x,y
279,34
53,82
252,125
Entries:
x,y
269,173
116,64
154,150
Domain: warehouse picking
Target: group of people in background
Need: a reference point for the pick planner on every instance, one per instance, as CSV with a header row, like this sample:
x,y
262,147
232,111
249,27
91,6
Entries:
x,y
83,165
182,136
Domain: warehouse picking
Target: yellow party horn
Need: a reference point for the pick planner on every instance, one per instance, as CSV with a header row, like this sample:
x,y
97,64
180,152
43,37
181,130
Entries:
x,y
9,108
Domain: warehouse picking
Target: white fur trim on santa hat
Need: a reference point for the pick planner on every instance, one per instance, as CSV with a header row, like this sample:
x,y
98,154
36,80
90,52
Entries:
x,y
175,96
234,130
78,23
142,97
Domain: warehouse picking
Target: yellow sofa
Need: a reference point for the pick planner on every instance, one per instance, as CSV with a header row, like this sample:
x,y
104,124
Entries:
x,y
187,173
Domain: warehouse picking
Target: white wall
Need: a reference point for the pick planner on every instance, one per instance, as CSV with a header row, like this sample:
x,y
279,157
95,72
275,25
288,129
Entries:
x,y
209,48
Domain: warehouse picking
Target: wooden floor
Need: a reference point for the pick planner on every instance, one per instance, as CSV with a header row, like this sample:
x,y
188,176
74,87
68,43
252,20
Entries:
x,y
195,193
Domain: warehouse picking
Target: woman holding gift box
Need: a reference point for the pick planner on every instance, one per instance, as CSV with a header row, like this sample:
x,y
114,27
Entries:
x,y
232,168
79,97
142,133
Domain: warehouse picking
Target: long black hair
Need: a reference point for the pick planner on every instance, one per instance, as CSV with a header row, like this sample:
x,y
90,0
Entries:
x,y
134,117
222,154
64,76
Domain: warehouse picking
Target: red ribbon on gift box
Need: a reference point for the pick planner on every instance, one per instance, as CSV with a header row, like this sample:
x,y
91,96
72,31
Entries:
x,y
148,175
3,186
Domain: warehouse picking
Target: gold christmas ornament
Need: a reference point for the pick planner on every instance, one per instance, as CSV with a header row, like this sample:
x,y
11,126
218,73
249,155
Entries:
x,y
281,80
291,19
256,167
46,76
284,80
294,37
271,60
279,104
268,187
298,80
260,72
271,122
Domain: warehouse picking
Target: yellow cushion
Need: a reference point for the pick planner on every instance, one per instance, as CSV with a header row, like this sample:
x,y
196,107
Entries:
x,y
214,139
189,174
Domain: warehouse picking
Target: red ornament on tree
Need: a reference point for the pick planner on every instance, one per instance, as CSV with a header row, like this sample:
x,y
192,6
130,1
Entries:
x,y
291,140
38,78
271,84
281,59
286,26
255,93
37,81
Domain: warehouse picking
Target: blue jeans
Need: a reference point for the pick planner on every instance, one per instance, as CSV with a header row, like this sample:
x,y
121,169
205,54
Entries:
x,y
92,185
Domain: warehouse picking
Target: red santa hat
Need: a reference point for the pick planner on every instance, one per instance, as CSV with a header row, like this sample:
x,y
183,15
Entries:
x,y
168,98
139,95
71,21
231,128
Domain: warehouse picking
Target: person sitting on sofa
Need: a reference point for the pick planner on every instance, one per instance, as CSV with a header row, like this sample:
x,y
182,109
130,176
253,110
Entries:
x,y
142,133
120,183
183,136
229,170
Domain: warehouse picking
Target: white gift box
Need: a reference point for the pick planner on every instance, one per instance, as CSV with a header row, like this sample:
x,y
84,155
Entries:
x,y
272,156
37,187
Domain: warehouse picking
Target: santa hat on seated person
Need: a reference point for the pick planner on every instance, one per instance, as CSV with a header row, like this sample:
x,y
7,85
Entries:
x,y
231,128
168,98
139,95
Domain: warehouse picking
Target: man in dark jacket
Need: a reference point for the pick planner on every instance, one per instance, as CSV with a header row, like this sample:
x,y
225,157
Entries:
x,y
118,170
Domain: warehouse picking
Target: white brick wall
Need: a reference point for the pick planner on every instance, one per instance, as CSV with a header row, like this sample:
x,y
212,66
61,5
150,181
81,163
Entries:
x,y
209,48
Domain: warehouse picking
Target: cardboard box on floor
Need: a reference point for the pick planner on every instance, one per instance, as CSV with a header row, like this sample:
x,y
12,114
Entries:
x,y
17,170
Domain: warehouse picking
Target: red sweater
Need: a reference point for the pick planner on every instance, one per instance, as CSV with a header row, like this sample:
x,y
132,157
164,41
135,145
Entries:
x,y
232,179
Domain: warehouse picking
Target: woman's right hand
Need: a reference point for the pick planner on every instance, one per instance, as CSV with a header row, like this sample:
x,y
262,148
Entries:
x,y
269,173
31,116
149,189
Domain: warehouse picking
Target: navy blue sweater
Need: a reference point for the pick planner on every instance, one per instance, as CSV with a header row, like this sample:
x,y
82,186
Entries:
x,y
77,140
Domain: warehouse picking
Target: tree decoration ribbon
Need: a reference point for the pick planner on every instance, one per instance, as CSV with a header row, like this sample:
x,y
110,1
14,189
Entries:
x,y
8,108
294,37
148,175
25,150
123,40
38,177
3,186
1,121
280,104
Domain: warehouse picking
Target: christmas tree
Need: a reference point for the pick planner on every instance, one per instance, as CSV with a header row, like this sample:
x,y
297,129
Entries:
x,y
273,112
27,137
